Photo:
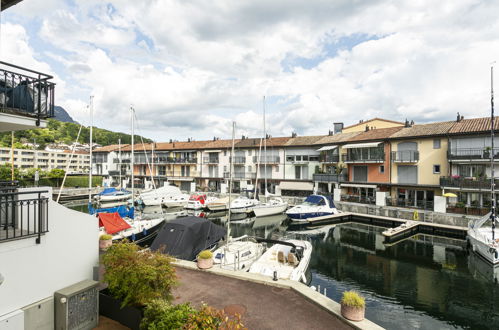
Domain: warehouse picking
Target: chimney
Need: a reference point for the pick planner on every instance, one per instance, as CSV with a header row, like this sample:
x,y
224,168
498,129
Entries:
x,y
188,139
458,117
367,128
337,128
412,122
171,141
293,134
214,138
406,124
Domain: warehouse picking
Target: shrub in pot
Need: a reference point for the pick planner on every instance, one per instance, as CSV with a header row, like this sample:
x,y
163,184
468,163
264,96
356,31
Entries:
x,y
105,241
205,259
353,306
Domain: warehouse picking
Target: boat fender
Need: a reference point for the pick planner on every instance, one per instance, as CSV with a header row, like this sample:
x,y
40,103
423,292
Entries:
x,y
133,237
415,215
144,232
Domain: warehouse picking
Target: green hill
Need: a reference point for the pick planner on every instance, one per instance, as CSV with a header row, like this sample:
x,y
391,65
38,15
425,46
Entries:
x,y
61,132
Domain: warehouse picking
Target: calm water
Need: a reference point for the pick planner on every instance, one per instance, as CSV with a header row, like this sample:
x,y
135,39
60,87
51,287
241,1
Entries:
x,y
420,283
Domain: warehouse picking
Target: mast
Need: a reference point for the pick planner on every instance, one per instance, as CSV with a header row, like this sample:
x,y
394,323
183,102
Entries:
x,y
492,184
132,161
265,148
91,107
119,159
230,177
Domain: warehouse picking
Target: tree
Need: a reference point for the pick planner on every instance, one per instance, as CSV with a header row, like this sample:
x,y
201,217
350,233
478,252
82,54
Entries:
x,y
6,172
56,173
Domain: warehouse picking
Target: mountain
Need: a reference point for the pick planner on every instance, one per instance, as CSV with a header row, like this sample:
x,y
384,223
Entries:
x,y
62,115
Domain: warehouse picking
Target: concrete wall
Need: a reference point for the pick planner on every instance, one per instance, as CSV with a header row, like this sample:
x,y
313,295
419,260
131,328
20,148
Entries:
x,y
66,255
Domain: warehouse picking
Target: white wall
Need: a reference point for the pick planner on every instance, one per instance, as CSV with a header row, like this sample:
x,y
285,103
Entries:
x,y
66,255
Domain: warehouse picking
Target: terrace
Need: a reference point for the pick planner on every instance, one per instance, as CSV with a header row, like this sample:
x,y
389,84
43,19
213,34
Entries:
x,y
472,153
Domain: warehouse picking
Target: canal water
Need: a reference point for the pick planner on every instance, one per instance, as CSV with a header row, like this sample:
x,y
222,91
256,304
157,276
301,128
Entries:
x,y
423,282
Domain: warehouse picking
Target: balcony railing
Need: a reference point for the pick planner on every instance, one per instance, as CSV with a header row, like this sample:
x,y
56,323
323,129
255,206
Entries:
x,y
210,160
267,159
330,177
123,161
244,175
410,203
358,199
26,92
472,153
405,156
362,158
466,183
239,160
22,218
329,158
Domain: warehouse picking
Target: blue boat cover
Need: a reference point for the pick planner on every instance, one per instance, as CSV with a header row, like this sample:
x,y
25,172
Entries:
x,y
112,191
317,199
122,210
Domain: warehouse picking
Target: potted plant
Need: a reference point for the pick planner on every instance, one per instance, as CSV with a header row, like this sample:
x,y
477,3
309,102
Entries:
x,y
105,241
205,259
353,306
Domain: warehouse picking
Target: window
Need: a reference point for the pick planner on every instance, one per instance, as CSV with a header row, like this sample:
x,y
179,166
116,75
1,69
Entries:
x,y
249,152
436,144
225,152
249,169
290,158
313,158
436,169
277,168
382,169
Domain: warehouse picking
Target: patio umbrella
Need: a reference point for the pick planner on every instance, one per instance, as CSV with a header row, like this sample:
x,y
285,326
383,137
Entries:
x,y
449,195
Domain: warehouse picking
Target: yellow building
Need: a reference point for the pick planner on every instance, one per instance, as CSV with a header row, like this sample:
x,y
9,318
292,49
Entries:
x,y
375,123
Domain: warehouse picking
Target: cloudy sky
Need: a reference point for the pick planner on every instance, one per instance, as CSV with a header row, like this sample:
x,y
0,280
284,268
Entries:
x,y
191,67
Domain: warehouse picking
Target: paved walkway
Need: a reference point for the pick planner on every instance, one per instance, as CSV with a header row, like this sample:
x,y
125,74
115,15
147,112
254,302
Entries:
x,y
262,306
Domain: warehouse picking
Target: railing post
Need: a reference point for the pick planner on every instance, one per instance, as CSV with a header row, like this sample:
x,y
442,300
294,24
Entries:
x,y
39,238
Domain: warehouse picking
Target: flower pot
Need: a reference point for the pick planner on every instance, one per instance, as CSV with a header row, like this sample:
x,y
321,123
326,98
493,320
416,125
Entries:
x,y
353,313
111,307
105,243
205,263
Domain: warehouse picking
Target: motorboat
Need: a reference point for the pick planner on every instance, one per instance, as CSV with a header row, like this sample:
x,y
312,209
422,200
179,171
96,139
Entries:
x,y
238,254
198,202
287,259
243,204
219,204
274,206
176,200
484,240
168,194
113,194
138,230
185,237
314,206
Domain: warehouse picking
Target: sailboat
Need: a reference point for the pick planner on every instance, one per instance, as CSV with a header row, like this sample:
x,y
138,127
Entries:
x,y
275,205
485,241
238,253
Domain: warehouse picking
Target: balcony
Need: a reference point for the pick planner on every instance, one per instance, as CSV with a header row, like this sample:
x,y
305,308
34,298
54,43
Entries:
x,y
329,159
23,214
26,93
467,183
358,199
123,161
267,159
239,160
405,156
472,153
364,158
210,160
410,203
330,177
182,174
239,175
114,173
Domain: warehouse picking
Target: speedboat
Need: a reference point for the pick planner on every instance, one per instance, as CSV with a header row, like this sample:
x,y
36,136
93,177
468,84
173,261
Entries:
x,y
198,201
113,194
243,204
161,196
274,206
484,240
238,253
219,204
287,259
314,206
176,200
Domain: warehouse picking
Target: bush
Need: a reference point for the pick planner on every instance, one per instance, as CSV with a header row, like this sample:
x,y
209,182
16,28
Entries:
x,y
353,299
138,277
105,237
209,318
159,314
205,254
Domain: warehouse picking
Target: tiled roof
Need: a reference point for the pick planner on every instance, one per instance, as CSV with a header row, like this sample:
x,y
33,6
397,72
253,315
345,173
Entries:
x,y
303,140
337,138
370,120
439,128
255,142
474,125
224,144
110,148
375,134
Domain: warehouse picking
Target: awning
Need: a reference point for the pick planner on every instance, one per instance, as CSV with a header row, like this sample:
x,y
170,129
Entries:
x,y
180,179
358,185
327,148
112,222
209,151
293,185
361,145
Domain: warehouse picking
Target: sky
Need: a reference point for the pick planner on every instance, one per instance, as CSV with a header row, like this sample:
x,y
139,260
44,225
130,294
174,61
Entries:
x,y
190,68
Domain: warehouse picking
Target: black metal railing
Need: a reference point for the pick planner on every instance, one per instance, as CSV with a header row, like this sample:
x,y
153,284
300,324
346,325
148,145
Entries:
x,y
359,157
245,175
239,159
329,158
267,159
330,177
472,153
405,156
467,183
410,203
26,92
210,160
23,217
358,199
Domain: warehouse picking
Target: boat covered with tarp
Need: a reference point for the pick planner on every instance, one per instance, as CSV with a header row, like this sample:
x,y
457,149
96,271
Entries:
x,y
122,210
112,222
185,237
113,194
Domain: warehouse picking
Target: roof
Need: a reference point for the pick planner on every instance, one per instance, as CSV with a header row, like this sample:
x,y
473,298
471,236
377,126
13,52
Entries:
x,y
370,120
303,140
337,138
439,128
375,134
474,125
217,144
255,142
110,148
185,145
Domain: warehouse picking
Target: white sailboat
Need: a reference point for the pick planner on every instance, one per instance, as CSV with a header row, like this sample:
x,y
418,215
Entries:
x,y
485,241
168,195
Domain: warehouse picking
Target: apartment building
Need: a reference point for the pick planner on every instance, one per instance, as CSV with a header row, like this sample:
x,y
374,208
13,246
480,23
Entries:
x,y
79,163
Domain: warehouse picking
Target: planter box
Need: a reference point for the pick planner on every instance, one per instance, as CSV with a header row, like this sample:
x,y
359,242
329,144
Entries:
x,y
111,308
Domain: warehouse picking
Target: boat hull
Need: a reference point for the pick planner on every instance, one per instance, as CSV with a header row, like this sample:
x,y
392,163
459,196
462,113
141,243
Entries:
x,y
269,210
103,198
303,217
489,252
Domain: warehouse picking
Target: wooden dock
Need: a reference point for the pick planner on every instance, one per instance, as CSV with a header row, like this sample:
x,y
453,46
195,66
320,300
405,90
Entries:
x,y
399,228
